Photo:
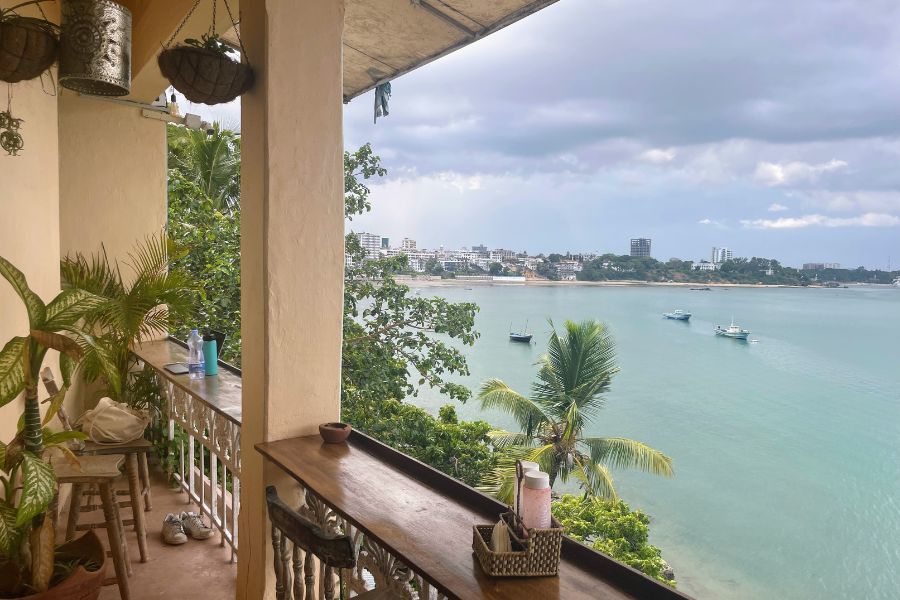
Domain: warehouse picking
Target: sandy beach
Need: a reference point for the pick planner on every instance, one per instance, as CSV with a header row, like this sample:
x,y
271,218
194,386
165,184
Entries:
x,y
427,282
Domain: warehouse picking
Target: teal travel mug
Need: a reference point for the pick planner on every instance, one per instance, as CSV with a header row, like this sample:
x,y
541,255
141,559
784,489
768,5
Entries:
x,y
210,355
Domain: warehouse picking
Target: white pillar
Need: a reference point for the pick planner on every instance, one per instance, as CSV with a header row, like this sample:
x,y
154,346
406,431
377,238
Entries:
x,y
292,246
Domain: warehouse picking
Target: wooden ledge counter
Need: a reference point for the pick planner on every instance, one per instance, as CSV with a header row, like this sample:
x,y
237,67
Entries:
x,y
221,392
425,519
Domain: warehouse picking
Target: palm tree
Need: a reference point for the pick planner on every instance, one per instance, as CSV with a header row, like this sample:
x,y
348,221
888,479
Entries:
x,y
209,160
135,308
573,377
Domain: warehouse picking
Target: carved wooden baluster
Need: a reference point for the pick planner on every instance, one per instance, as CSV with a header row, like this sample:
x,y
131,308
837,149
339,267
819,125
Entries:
x,y
309,569
277,564
286,567
298,574
328,583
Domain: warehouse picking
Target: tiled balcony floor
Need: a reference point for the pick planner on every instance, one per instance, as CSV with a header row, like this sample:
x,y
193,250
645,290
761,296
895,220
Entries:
x,y
197,569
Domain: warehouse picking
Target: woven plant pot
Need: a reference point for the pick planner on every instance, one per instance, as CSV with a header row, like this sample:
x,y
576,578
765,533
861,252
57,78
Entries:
x,y
28,47
205,76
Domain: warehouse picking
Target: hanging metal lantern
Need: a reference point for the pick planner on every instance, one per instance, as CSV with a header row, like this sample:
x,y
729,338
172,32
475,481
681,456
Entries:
x,y
95,47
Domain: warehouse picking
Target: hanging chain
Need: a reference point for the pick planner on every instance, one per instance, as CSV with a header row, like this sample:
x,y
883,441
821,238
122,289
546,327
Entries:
x,y
180,27
237,31
212,26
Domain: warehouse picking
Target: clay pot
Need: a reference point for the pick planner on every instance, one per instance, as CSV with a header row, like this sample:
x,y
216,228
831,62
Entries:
x,y
28,47
203,75
81,584
334,433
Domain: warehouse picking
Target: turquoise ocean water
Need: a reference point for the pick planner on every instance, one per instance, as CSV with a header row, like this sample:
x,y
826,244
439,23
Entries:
x,y
786,451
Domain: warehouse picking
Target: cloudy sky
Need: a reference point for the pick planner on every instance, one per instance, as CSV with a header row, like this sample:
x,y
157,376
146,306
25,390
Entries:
x,y
769,127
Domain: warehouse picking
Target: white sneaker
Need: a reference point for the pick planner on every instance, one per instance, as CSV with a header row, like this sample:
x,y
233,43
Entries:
x,y
173,530
195,526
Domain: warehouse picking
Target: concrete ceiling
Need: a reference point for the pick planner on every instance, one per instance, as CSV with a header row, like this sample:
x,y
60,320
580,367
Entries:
x,y
384,39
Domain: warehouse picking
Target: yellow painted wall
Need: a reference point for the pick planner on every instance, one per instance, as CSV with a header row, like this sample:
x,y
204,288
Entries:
x,y
29,209
112,175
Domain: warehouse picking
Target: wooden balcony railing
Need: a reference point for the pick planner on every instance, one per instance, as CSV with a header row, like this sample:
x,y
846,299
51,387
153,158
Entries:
x,y
204,426
410,525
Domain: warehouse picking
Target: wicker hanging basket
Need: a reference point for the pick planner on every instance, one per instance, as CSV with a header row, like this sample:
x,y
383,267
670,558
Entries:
x,y
28,47
205,76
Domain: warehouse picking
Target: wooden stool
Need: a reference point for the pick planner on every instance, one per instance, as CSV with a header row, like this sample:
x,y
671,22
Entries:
x,y
138,475
101,471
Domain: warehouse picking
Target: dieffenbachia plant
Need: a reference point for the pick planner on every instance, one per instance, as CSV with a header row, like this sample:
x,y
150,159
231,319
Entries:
x,y
27,478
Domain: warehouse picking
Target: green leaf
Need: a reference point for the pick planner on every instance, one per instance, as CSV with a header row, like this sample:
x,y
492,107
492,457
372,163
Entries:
x,y
52,439
38,483
37,312
12,373
9,535
67,367
58,342
68,307
56,401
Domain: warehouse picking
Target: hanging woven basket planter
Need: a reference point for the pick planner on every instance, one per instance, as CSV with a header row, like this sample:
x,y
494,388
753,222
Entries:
x,y
203,75
204,70
28,47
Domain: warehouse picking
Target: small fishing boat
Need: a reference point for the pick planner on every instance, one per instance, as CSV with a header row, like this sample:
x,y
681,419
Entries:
x,y
678,315
520,336
703,289
732,331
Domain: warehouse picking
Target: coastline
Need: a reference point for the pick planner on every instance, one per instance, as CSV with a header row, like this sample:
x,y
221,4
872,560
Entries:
x,y
427,282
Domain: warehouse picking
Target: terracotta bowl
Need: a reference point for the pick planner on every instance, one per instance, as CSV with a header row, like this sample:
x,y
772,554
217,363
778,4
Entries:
x,y
334,433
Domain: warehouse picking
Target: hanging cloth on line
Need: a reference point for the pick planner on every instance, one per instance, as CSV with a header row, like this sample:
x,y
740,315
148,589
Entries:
x,y
382,97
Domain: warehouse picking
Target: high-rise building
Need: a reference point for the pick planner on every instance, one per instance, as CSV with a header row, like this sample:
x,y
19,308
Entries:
x,y
371,243
640,247
479,248
720,255
408,244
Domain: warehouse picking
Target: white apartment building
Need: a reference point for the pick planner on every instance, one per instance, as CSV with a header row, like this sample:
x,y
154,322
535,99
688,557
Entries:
x,y
408,244
720,255
705,265
566,269
371,243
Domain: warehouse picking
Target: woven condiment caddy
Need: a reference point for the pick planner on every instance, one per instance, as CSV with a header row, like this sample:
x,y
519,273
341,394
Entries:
x,y
536,555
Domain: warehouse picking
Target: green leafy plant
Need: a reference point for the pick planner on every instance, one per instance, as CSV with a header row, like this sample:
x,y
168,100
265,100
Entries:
x,y
209,42
572,379
611,527
134,308
29,485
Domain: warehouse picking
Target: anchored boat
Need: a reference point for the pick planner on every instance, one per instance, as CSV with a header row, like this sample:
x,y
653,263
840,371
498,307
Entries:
x,y
678,315
733,331
520,336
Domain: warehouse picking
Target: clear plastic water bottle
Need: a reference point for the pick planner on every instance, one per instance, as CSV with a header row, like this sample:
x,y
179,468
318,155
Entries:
x,y
196,361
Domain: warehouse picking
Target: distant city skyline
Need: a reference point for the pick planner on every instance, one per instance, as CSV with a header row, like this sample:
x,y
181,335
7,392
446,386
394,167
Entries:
x,y
372,241
768,127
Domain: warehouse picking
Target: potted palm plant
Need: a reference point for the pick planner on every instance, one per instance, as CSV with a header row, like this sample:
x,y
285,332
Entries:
x,y
136,307
30,563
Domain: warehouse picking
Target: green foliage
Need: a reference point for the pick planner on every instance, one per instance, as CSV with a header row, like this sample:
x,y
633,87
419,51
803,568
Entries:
x,y
205,163
460,449
137,307
358,167
205,219
394,341
611,527
60,325
209,42
569,391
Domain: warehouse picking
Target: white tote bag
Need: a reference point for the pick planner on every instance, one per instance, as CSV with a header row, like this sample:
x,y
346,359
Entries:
x,y
112,422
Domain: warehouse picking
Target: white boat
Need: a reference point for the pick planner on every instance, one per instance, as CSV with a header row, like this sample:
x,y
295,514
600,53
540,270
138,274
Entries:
x,y
733,331
897,282
678,315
